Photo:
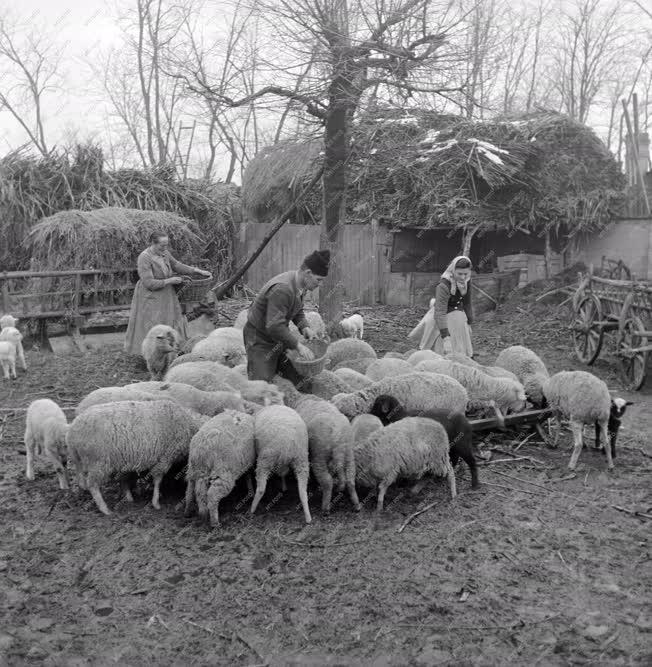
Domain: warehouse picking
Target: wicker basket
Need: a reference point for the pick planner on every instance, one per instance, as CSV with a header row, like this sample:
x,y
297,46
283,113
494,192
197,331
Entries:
x,y
193,290
314,367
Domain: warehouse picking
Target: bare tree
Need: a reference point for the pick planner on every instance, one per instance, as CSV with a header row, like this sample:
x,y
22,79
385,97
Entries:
x,y
30,61
361,46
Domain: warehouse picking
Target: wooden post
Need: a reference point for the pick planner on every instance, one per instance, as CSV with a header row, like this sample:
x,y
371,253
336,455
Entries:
x,y
639,171
5,296
374,259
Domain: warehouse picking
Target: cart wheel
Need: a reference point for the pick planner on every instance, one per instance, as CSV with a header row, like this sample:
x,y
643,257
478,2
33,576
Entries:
x,y
633,364
587,331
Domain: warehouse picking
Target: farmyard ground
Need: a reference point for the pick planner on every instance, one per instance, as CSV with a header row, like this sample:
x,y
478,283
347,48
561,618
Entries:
x,y
527,570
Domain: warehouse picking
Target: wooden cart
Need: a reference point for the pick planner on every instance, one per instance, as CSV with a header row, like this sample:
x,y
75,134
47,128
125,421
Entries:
x,y
623,306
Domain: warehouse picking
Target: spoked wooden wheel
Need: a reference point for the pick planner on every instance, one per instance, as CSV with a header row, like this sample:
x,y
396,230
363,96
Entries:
x,y
587,330
633,364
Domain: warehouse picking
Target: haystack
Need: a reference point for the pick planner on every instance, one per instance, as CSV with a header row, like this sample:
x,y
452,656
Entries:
x,y
420,169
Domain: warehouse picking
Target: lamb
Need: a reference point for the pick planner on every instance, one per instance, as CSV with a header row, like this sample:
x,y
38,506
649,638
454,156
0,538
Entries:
x,y
494,371
364,425
11,347
528,368
382,368
582,398
423,355
327,384
359,365
219,454
502,395
354,379
353,326
616,412
159,349
224,349
129,436
347,349
281,443
45,434
409,449
458,428
8,321
416,391
330,442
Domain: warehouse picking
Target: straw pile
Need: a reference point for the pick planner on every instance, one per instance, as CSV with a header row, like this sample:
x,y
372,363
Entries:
x,y
417,168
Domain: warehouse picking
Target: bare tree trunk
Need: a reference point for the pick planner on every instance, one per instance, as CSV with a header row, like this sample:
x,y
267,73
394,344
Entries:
x,y
547,256
469,233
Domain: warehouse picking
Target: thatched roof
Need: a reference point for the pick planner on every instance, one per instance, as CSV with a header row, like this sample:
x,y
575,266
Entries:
x,y
33,188
421,169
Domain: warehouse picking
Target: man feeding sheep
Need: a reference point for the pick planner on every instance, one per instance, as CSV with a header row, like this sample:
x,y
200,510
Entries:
x,y
267,336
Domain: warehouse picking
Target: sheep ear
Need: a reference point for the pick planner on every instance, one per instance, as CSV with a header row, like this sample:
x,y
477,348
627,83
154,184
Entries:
x,y
629,402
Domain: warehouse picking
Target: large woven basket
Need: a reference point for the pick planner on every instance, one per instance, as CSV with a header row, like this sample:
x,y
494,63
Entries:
x,y
315,366
193,290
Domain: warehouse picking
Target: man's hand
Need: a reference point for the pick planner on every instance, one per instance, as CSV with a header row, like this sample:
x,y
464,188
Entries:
x,y
305,352
448,346
309,334
206,274
175,280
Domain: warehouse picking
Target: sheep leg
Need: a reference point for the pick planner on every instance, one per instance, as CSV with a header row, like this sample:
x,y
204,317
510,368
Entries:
x,y
261,485
250,485
607,445
284,486
156,504
325,481
99,501
450,474
12,368
5,368
29,449
499,415
577,444
20,353
470,461
58,466
382,489
201,497
416,488
190,496
302,485
350,483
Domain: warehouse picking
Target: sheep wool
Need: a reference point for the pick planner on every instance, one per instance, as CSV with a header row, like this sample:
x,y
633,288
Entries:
x,y
232,333
354,379
383,368
409,448
209,403
114,395
315,322
11,348
219,454
129,436
45,434
364,425
347,349
281,438
423,355
416,391
159,349
494,371
359,365
7,321
528,368
395,355
353,326
327,384
13,335
225,350
582,398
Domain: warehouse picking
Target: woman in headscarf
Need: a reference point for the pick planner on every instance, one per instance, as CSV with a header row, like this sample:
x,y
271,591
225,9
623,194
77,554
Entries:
x,y
155,299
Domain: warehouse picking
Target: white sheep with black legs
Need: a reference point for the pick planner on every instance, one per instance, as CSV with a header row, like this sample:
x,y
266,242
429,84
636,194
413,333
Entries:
x,y
347,349
501,395
281,438
160,348
129,436
330,442
220,452
528,368
408,449
11,334
388,367
582,398
423,355
46,426
364,425
354,379
415,391
494,371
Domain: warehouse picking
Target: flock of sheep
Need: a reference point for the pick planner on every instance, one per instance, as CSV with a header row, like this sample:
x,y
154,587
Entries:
x,y
368,422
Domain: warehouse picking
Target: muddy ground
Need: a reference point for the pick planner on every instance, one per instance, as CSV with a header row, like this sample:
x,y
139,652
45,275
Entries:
x,y
533,568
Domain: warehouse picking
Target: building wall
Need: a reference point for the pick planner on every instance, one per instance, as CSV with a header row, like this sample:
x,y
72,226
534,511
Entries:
x,y
629,240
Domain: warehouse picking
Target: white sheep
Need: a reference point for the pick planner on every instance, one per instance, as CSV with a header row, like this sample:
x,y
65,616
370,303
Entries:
x,y
330,441
502,395
315,322
364,425
326,384
409,448
528,368
582,398
353,326
347,349
7,321
354,379
416,391
129,436
281,443
223,349
388,367
46,426
160,348
11,347
232,333
494,371
220,453
359,365
190,343
395,355
423,355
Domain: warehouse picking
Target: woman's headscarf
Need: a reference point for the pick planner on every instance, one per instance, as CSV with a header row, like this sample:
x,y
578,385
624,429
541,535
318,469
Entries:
x,y
449,274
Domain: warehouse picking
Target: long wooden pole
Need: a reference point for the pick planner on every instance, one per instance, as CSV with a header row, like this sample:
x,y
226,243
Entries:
x,y
634,140
222,288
